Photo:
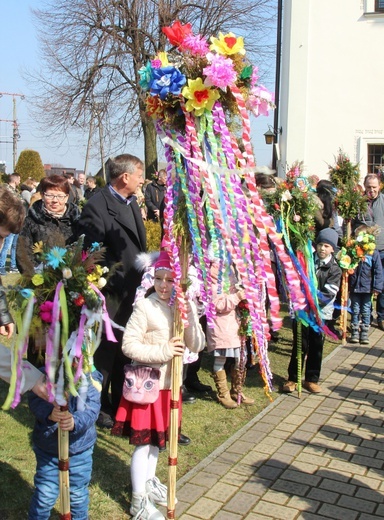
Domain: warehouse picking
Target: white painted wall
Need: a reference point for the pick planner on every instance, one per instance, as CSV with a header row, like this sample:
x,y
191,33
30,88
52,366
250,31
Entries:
x,y
332,82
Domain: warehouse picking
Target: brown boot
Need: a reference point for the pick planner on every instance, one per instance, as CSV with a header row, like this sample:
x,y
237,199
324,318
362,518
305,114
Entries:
x,y
237,381
220,379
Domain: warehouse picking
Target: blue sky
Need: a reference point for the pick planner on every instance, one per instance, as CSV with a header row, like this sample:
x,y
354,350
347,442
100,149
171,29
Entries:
x,y
19,51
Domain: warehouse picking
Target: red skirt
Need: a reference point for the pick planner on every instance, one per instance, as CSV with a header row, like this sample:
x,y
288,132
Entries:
x,y
145,423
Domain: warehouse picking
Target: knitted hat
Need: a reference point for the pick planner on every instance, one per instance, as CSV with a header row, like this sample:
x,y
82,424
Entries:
x,y
328,236
163,262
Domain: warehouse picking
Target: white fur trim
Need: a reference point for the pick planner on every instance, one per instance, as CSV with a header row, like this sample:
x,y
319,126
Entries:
x,y
144,261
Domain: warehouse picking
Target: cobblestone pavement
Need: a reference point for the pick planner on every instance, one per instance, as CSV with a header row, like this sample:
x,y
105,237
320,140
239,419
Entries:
x,y
317,457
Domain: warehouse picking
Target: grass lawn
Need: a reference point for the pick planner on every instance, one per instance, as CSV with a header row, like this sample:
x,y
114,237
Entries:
x,y
206,422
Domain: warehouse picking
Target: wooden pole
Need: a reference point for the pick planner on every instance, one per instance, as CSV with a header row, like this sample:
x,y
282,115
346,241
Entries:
x,y
345,294
299,354
177,369
65,504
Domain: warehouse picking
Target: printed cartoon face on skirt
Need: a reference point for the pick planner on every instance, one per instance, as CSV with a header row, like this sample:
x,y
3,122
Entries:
x,y
141,384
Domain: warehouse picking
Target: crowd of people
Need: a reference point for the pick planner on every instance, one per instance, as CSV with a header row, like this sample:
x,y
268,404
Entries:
x,y
112,216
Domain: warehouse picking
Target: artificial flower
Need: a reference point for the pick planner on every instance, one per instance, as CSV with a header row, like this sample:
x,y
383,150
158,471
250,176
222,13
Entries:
x,y
146,76
37,279
55,257
167,80
177,32
154,106
46,309
37,247
260,101
26,293
286,196
220,72
200,97
227,44
67,273
197,45
161,60
101,282
79,301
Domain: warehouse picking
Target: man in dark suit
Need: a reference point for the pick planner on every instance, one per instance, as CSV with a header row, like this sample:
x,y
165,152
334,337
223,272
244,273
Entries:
x,y
112,217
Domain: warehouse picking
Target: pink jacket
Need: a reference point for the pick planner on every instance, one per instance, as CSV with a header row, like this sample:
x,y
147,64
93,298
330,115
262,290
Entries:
x,y
224,334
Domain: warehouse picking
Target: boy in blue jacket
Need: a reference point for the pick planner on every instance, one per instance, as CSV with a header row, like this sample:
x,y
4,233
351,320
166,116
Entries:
x,y
367,279
79,420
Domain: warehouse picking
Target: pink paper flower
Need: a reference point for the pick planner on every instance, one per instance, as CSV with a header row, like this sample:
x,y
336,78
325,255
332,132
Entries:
x,y
46,311
197,45
220,73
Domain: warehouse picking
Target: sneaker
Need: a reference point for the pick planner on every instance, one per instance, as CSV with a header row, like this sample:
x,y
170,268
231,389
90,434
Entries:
x,y
147,511
3,271
14,270
157,492
312,387
288,387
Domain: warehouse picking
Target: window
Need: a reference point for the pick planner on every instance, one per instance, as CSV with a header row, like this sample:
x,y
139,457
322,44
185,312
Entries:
x,y
379,6
375,158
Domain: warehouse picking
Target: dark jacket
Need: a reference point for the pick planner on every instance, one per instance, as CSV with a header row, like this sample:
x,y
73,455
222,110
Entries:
x,y
40,226
328,284
120,228
83,436
368,275
5,316
88,193
154,195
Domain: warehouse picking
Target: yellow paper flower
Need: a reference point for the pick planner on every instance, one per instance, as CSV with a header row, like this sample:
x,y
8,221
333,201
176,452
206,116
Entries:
x,y
38,279
163,57
227,44
199,96
95,275
37,247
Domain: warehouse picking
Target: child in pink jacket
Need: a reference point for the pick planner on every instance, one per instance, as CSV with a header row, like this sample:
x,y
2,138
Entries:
x,y
223,341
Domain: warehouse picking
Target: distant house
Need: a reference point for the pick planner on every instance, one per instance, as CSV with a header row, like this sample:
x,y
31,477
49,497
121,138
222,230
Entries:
x,y
59,170
331,84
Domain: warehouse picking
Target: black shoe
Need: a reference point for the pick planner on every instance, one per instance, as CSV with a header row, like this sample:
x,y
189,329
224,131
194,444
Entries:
x,y
186,397
380,325
196,386
104,421
184,440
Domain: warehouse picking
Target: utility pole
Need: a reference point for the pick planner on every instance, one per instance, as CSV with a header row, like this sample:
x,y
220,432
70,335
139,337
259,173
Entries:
x,y
16,135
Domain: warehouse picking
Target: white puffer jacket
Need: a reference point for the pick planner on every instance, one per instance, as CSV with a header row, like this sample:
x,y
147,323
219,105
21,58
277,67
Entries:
x,y
149,330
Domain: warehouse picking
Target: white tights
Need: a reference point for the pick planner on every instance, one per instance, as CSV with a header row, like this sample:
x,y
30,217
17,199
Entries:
x,y
143,466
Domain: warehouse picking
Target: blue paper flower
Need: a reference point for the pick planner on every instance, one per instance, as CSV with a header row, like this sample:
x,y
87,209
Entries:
x,y
55,257
146,76
167,80
26,293
95,247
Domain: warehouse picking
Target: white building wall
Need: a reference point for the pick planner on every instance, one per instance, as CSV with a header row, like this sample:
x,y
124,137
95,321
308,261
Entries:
x,y
332,82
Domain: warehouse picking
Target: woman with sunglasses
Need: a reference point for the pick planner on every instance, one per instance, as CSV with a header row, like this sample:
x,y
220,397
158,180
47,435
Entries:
x,y
51,220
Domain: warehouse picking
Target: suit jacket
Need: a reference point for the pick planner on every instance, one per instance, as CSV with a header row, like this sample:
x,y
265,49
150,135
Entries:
x,y
120,228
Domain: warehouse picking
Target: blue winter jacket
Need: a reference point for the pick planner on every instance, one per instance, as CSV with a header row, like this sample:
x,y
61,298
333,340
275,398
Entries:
x,y
368,275
84,434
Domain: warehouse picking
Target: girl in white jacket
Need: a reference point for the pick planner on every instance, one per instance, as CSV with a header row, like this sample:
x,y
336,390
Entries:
x,y
148,341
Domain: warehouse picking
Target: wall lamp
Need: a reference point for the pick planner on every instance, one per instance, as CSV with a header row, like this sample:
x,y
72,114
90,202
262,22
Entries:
x,y
270,134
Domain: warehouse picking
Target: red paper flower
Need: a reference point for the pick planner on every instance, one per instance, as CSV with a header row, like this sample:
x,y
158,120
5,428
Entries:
x,y
79,301
177,32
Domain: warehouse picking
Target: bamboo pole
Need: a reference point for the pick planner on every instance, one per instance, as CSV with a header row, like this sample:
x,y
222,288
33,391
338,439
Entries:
x,y
65,505
177,368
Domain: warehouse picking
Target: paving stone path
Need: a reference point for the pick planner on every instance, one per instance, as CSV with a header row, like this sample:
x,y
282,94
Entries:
x,y
316,458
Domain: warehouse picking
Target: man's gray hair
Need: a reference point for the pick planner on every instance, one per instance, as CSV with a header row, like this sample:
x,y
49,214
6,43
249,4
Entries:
x,y
124,163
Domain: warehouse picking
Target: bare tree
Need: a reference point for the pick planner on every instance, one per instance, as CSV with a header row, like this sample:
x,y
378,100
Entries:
x,y
92,50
